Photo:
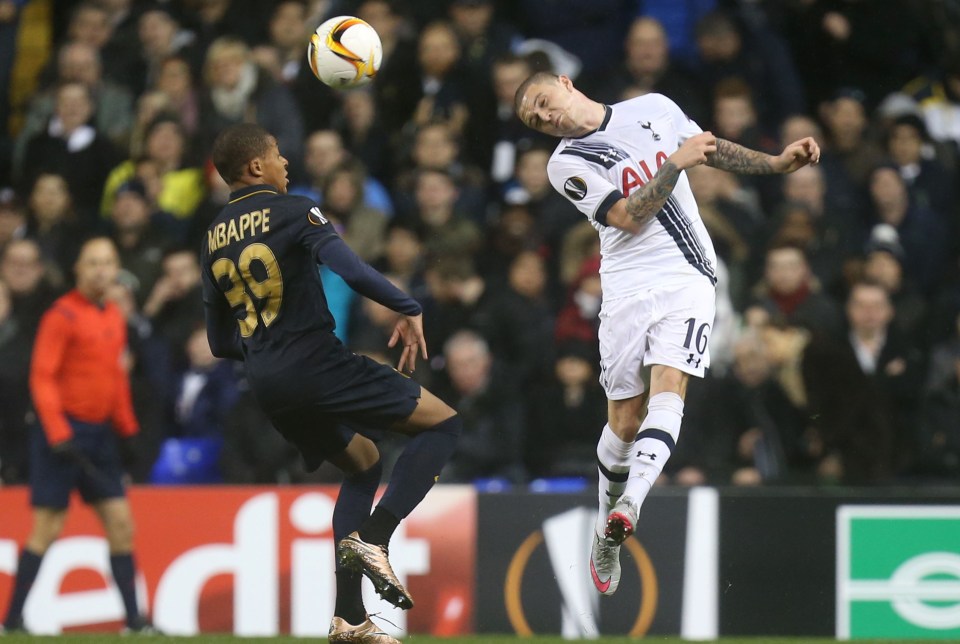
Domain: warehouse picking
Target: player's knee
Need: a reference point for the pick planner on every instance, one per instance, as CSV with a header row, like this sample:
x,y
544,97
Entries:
x,y
452,426
42,538
668,379
120,532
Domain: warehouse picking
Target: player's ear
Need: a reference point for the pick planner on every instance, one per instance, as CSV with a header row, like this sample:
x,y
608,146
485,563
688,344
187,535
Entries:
x,y
255,166
565,81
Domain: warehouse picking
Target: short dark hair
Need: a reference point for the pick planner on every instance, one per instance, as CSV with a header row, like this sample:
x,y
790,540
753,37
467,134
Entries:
x,y
537,77
235,146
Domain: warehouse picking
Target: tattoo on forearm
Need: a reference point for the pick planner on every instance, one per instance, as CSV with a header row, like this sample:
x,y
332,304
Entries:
x,y
645,203
736,158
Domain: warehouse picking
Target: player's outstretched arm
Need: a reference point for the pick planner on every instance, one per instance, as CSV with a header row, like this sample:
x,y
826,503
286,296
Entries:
x,y
409,330
632,213
733,157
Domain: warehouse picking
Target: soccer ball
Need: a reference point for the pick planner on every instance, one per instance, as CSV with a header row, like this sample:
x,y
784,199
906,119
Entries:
x,y
344,52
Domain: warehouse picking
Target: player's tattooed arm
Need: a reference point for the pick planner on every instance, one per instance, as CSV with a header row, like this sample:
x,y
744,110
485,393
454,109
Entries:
x,y
733,157
644,204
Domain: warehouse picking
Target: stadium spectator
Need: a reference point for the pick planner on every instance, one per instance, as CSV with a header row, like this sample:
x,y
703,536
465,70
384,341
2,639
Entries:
x,y
53,225
847,435
883,265
148,363
237,91
909,146
517,320
90,24
482,37
324,151
647,68
735,117
495,131
113,103
447,231
396,88
891,364
361,129
31,290
245,20
850,152
561,407
937,95
13,217
513,231
174,306
922,232
288,31
727,50
790,290
72,149
14,393
82,396
176,83
487,397
457,293
181,183
940,424
837,231
578,321
363,227
9,23
554,215
593,32
160,35
139,239
756,429
403,257
732,216
442,91
205,395
436,146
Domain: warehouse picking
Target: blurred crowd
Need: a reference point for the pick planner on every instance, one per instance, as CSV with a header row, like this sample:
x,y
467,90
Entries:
x,y
836,349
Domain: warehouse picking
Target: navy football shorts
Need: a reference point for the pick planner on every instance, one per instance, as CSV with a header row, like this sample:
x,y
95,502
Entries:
x,y
326,413
52,477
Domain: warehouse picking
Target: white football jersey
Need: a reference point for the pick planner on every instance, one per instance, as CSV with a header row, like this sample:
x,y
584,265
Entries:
x,y
597,170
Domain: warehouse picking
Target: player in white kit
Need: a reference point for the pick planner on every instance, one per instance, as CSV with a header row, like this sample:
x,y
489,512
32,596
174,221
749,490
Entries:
x,y
622,166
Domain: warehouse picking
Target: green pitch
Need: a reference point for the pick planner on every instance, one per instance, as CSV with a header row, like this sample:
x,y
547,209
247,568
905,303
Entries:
x,y
416,639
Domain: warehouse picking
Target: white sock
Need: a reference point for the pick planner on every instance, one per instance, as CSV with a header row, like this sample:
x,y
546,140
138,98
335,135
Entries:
x,y
655,441
613,462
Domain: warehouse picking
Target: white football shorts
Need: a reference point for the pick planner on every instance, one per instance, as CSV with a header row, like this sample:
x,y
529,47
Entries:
x,y
668,325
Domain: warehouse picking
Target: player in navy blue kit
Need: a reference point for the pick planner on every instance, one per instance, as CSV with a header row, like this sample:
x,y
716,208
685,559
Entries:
x,y
265,305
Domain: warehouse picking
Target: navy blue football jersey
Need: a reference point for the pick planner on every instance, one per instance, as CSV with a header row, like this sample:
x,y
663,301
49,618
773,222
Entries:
x,y
259,259
262,292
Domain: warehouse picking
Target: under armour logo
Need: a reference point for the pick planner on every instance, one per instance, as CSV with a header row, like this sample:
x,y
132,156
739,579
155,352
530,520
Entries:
x,y
648,126
652,457
694,361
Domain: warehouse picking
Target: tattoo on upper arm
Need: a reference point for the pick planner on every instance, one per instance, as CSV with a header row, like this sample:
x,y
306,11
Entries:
x,y
736,158
645,203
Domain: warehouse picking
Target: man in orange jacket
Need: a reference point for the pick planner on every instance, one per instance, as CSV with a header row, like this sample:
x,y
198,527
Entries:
x,y
80,391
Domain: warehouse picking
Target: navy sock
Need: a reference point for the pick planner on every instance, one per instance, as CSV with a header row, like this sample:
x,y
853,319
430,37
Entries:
x,y
349,597
123,575
27,570
418,467
351,510
355,500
